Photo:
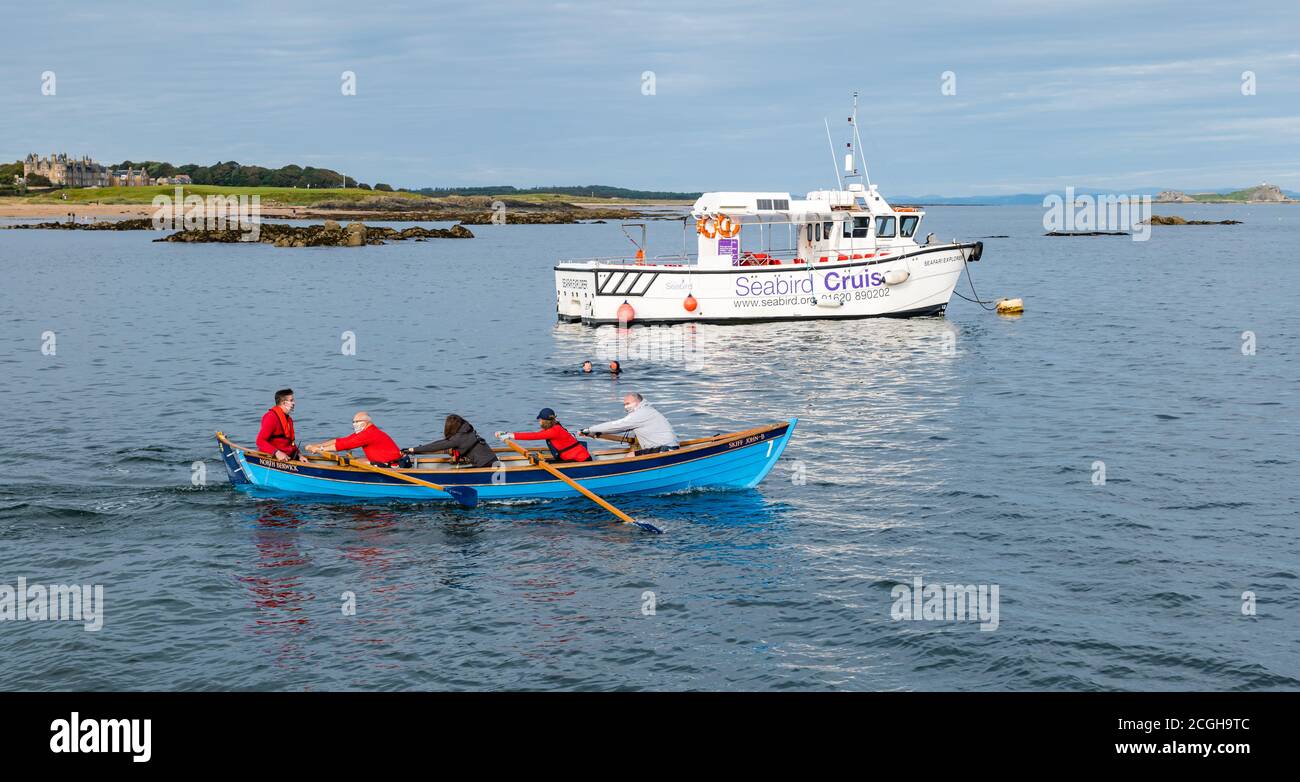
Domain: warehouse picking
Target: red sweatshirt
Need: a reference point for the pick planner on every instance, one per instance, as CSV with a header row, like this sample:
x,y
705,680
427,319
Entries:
x,y
272,437
564,445
377,445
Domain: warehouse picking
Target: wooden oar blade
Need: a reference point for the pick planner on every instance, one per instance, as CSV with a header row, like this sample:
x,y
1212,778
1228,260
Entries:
x,y
465,495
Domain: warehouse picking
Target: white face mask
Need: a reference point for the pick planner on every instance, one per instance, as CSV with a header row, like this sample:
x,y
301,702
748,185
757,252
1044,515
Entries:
x,y
630,407
357,426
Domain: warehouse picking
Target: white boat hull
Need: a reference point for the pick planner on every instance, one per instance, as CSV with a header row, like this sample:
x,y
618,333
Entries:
x,y
592,292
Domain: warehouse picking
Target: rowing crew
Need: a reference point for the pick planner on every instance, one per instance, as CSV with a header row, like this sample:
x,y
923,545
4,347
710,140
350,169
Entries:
x,y
643,426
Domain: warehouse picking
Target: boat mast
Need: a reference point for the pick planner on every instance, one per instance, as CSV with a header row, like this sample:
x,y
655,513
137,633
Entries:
x,y
850,169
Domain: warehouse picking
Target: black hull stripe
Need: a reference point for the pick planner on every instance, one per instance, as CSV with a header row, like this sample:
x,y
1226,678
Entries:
x,y
935,310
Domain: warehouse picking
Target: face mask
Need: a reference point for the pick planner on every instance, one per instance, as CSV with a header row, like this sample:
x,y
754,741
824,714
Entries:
x,y
357,426
629,408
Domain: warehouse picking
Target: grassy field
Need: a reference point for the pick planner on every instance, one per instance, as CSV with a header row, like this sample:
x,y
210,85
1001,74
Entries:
x,y
547,198
290,196
1236,195
271,196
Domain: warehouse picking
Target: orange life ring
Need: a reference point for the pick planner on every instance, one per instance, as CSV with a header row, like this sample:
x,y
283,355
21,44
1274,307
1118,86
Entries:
x,y
705,227
727,227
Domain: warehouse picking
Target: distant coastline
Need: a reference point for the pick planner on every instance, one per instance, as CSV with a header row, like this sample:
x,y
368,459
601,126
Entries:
x,y
532,205
1259,194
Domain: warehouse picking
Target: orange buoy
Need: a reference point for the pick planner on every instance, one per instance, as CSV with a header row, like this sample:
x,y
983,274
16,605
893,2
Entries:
x,y
689,303
625,313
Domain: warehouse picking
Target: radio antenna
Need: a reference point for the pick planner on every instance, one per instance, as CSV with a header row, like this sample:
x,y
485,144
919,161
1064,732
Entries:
x,y
835,164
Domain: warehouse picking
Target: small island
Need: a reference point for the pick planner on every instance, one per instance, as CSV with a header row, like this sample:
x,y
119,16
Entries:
x,y
1176,220
1263,193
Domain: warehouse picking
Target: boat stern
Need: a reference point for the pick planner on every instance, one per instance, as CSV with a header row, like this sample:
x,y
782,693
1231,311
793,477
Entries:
x,y
573,293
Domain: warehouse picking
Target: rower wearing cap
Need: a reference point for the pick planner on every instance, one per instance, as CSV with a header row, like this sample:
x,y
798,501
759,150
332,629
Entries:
x,y
564,446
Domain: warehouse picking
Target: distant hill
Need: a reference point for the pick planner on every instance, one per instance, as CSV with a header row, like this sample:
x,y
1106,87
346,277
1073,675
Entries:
x,y
586,191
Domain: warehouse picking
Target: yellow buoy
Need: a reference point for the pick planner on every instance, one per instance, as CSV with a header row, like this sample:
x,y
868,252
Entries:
x,y
1010,306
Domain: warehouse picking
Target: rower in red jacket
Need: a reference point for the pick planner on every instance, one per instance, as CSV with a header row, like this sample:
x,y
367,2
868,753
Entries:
x,y
377,445
276,434
564,446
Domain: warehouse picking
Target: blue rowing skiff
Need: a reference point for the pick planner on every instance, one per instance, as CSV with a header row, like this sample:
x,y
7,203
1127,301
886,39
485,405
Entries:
x,y
739,460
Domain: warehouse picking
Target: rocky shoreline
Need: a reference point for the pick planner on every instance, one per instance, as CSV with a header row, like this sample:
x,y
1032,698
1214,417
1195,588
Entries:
x,y
328,234
134,224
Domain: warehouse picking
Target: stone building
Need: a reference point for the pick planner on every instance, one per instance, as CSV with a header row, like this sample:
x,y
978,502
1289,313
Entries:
x,y
130,177
63,170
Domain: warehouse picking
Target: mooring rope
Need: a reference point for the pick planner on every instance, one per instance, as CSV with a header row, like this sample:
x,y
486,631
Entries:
x,y
977,299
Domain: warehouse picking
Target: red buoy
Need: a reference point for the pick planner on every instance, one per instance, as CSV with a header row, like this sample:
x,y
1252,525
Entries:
x,y
625,313
689,303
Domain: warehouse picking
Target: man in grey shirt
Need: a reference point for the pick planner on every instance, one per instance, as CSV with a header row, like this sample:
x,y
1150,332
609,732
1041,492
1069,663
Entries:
x,y
651,430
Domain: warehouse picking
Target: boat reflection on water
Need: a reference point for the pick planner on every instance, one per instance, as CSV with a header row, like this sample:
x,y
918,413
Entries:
x,y
276,582
369,596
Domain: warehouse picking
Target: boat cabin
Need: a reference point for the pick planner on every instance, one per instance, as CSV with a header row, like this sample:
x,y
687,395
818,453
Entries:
x,y
827,226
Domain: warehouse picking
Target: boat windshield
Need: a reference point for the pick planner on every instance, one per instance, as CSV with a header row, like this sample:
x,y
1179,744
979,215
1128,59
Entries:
x,y
907,225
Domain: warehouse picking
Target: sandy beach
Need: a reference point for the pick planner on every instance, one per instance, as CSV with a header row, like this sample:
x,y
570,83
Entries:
x,y
23,208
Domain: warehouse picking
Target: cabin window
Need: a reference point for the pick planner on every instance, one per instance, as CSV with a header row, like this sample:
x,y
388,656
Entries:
x,y
861,226
907,225
810,232
884,227
818,232
827,227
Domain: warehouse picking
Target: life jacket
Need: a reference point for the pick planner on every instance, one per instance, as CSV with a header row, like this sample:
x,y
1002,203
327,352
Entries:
x,y
563,442
286,425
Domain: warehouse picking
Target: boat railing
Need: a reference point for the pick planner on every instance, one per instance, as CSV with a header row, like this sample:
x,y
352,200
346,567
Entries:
x,y
674,259
744,258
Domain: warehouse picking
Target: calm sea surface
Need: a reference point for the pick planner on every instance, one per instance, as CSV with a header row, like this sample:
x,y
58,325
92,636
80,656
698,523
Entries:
x,y
961,450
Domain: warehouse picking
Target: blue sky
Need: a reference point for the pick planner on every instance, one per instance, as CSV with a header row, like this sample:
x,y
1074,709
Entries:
x,y
1117,95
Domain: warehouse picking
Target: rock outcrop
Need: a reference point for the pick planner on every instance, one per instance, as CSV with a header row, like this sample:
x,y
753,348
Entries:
x,y
1174,196
140,224
1266,193
1176,220
329,234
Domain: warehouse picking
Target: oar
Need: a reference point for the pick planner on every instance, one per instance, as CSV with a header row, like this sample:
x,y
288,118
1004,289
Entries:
x,y
541,462
465,495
